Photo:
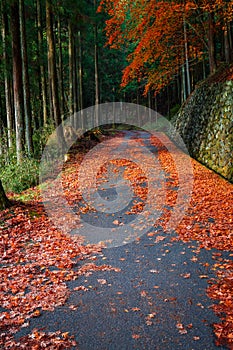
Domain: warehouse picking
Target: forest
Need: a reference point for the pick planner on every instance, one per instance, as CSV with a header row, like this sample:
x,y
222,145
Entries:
x,y
58,57
168,283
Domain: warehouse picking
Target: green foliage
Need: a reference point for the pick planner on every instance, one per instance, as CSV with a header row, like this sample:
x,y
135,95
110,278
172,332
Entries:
x,y
18,177
174,110
27,196
40,137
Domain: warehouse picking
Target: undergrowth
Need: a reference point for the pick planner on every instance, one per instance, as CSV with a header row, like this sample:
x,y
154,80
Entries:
x,y
16,177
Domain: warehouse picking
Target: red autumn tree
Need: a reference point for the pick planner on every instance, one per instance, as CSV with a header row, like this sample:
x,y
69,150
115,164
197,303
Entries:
x,y
163,36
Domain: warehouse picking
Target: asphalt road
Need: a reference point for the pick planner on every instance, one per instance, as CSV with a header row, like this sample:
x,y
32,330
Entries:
x,y
143,306
157,300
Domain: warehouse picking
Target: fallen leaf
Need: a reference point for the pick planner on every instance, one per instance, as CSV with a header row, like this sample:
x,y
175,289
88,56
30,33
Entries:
x,y
116,222
185,275
136,309
102,281
136,336
159,239
196,338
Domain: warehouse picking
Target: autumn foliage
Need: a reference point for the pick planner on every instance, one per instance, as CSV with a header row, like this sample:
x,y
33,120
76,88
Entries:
x,y
152,32
36,261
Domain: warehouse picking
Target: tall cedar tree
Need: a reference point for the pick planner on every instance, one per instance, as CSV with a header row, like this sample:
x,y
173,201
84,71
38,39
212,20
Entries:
x,y
53,73
26,85
7,74
17,79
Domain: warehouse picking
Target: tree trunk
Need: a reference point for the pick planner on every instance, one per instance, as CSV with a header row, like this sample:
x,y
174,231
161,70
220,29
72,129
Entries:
x,y
17,79
149,106
4,201
42,67
186,58
226,44
53,73
230,40
75,80
211,44
80,77
96,71
183,85
60,67
26,84
2,146
71,69
7,74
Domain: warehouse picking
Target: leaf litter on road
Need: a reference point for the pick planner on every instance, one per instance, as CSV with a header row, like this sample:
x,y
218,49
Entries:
x,y
37,260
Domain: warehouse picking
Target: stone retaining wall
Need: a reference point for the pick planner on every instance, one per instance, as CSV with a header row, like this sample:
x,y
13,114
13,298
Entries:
x,y
205,124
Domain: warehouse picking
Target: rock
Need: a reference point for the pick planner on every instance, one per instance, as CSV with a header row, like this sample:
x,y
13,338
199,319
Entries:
x,y
205,124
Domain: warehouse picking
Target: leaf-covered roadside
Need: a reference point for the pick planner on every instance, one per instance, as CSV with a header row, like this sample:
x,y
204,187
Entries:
x,y
209,221
36,261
